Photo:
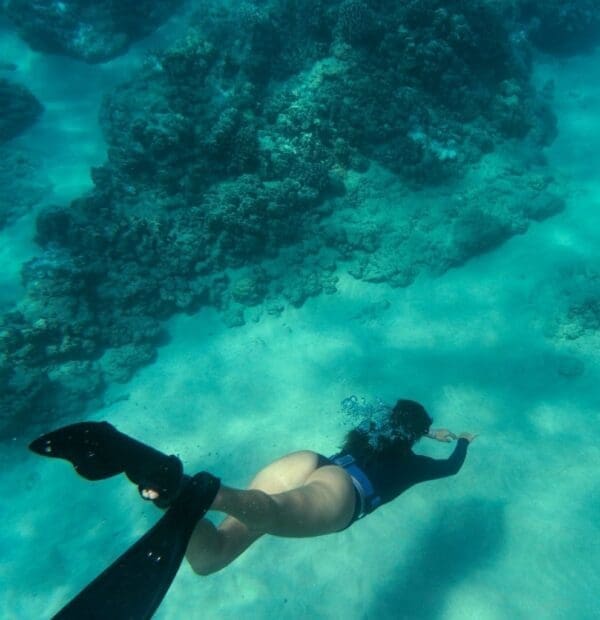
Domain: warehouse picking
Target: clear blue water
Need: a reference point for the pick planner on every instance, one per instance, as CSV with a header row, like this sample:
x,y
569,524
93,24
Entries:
x,y
488,346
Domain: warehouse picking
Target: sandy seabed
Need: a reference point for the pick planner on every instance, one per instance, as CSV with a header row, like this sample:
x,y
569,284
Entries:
x,y
514,535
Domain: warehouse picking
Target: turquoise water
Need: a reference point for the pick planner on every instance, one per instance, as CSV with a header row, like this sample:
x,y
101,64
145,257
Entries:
x,y
489,347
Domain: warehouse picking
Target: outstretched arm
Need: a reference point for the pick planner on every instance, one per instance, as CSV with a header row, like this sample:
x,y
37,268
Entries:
x,y
441,434
427,468
446,436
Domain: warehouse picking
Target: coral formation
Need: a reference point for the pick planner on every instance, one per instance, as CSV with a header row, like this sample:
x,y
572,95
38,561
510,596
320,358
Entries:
x,y
271,146
91,31
22,182
560,27
19,109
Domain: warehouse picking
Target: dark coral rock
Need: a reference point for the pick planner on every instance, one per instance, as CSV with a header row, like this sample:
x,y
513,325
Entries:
x,y
19,109
510,111
250,289
181,124
248,219
22,184
24,393
301,285
583,317
477,230
450,46
233,143
93,31
357,23
76,382
578,312
541,205
283,38
570,366
56,225
37,381
120,363
504,207
562,28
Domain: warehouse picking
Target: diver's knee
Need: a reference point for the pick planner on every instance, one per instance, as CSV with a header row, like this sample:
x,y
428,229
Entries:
x,y
203,569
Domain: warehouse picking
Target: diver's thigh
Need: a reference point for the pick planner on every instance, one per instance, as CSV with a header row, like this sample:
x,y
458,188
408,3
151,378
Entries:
x,y
336,503
323,505
284,474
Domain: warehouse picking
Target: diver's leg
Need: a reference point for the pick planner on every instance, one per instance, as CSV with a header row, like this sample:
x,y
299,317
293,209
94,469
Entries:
x,y
212,548
276,503
293,496
322,505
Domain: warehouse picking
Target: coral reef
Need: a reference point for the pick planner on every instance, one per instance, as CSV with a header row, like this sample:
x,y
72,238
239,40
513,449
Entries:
x,y
19,109
258,155
92,31
22,183
578,313
560,27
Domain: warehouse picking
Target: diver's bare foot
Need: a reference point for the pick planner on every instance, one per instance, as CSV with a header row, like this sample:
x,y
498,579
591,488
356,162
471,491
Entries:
x,y
149,494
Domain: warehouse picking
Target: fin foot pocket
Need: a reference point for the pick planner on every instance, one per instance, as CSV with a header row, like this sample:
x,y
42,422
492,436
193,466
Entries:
x,y
97,450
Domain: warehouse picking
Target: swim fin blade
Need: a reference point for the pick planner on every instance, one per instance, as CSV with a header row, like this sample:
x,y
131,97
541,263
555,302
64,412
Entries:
x,y
97,450
87,445
135,584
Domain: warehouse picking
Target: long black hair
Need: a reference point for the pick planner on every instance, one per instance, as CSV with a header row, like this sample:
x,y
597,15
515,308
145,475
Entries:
x,y
389,437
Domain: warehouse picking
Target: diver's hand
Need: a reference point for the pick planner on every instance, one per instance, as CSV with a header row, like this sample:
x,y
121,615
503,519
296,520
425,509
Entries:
x,y
442,434
468,436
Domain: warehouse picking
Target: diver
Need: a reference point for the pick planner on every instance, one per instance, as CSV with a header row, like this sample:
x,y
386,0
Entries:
x,y
306,494
302,494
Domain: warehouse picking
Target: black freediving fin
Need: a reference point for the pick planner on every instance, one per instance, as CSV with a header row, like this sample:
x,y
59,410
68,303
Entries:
x,y
135,584
97,450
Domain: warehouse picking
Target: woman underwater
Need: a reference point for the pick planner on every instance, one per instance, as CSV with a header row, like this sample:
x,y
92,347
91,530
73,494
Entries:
x,y
306,494
302,494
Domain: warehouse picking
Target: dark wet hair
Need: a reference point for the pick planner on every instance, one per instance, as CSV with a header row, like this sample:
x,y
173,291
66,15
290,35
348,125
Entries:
x,y
391,436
